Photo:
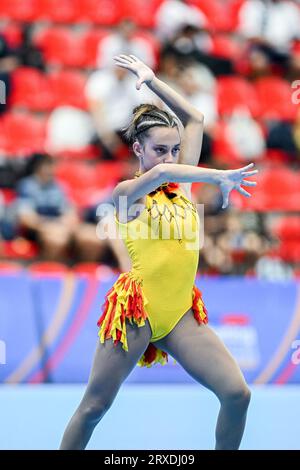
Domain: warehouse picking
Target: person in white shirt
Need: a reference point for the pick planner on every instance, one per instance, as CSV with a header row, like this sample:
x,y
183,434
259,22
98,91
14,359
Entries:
x,y
274,21
125,37
173,15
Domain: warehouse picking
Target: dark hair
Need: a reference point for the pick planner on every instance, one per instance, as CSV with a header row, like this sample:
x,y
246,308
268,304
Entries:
x,y
146,116
35,161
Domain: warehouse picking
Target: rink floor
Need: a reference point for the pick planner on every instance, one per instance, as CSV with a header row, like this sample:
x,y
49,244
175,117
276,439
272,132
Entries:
x,y
146,417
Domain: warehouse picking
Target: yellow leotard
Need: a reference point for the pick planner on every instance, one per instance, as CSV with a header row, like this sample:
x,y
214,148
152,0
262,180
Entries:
x,y
163,244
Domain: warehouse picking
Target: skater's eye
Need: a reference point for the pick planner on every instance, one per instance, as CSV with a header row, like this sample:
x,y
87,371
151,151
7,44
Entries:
x,y
162,150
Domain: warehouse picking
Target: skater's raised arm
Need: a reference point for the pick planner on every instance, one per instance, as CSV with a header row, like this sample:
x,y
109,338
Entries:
x,y
181,107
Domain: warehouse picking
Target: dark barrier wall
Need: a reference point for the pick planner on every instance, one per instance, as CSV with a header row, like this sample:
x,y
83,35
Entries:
x,y
48,329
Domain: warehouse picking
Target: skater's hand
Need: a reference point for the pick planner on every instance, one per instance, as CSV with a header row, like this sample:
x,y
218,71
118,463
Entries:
x,y
235,179
136,66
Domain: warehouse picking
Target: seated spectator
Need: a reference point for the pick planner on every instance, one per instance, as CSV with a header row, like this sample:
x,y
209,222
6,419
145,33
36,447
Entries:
x,y
245,135
43,211
296,135
8,63
198,85
259,62
29,54
125,40
194,43
172,15
273,23
280,136
46,216
293,67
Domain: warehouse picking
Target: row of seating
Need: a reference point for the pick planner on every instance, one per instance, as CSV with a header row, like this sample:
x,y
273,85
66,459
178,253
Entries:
x,y
40,92
269,97
219,15
63,45
278,187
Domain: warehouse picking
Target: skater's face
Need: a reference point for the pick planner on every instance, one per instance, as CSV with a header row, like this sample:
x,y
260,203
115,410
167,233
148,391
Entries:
x,y
161,145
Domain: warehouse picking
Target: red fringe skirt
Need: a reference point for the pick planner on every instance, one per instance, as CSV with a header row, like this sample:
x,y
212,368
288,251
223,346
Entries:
x,y
126,300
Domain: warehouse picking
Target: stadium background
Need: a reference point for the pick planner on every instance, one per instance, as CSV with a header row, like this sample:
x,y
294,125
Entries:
x,y
239,63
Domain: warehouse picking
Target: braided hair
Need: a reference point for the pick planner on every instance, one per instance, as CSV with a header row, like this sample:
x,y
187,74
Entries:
x,y
146,116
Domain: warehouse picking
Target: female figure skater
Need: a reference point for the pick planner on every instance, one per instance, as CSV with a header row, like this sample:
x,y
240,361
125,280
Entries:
x,y
155,308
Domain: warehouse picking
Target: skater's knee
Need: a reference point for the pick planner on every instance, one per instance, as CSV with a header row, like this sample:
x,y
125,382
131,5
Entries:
x,y
238,396
94,410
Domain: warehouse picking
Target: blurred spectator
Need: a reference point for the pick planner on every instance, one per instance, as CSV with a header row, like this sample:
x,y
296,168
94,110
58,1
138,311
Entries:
x,y
172,15
231,246
194,43
272,268
169,67
296,134
280,136
29,54
8,63
259,62
293,70
245,135
112,95
198,85
43,211
272,23
69,128
47,217
125,40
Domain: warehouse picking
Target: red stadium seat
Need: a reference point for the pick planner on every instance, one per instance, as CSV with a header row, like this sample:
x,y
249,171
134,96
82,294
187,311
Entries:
x,y
108,172
290,251
20,248
90,41
47,268
60,46
101,12
223,149
234,7
236,92
225,46
216,11
12,33
68,88
10,267
7,195
278,189
22,133
59,11
288,228
30,88
86,269
143,13
274,95
20,10
81,182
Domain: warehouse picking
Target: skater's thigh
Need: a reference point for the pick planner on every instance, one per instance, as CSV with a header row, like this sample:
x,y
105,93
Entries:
x,y
112,364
